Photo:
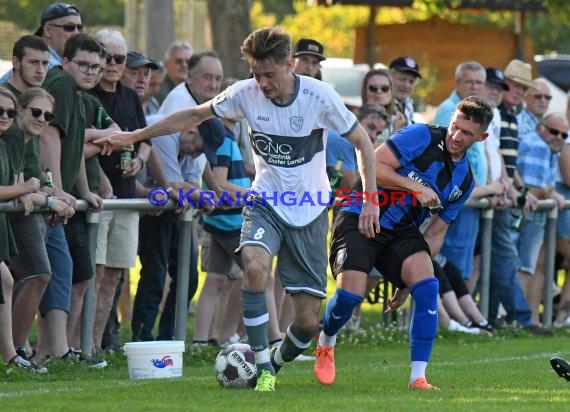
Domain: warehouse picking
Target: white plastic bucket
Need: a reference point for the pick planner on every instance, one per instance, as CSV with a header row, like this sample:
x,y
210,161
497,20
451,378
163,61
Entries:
x,y
155,359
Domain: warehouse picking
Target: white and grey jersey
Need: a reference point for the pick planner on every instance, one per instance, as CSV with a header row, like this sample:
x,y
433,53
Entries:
x,y
289,142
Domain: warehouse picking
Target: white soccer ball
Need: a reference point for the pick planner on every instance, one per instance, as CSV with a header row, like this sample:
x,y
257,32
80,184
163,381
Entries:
x,y
235,366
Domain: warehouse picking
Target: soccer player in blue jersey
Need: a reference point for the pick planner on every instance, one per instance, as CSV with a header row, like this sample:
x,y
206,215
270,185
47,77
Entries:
x,y
429,164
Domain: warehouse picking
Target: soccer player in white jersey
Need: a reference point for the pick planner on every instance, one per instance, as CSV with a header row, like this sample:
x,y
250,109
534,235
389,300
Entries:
x,y
289,116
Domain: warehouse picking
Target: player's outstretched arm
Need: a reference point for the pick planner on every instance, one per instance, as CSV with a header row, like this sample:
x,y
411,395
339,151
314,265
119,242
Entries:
x,y
176,122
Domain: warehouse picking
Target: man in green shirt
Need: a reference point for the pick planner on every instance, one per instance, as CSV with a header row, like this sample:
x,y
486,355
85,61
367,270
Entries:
x,y
61,146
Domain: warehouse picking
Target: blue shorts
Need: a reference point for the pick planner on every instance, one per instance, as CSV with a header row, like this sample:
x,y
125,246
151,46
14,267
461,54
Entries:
x,y
563,223
529,240
58,292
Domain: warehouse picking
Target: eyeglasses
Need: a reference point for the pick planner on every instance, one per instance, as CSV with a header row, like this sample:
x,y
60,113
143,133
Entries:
x,y
542,96
556,132
119,58
10,113
375,89
87,68
48,116
69,27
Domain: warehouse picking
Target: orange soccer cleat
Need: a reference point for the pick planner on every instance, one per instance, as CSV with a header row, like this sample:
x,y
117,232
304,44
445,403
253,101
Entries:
x,y
324,365
421,383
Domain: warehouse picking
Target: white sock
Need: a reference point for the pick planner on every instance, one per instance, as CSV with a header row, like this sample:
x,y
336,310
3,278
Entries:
x,y
277,358
418,370
325,340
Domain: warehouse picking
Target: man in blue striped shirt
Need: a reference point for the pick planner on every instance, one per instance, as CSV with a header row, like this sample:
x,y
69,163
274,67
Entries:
x,y
537,165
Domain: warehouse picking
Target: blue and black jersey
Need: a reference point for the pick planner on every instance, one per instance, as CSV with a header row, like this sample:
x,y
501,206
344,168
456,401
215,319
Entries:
x,y
420,149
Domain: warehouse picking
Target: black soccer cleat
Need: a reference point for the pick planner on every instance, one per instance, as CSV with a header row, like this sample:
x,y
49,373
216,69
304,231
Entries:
x,y
561,367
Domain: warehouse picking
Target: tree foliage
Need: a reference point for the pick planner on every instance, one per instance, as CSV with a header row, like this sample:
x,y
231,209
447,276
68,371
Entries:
x,y
25,14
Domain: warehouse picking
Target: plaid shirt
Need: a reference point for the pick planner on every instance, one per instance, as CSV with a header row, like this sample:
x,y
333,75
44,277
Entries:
x,y
536,163
527,123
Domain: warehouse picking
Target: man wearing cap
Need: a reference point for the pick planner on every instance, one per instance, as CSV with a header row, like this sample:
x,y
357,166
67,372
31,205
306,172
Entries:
x,y
308,56
537,100
505,286
139,76
59,22
137,73
404,73
493,91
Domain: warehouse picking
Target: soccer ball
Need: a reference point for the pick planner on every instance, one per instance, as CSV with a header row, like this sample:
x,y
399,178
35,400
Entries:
x,y
235,366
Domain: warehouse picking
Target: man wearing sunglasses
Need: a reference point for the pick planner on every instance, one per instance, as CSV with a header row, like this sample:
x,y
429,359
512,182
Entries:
x,y
59,22
176,66
537,100
537,165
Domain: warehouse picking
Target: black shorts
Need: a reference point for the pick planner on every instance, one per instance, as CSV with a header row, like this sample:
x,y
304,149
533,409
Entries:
x,y
386,252
79,248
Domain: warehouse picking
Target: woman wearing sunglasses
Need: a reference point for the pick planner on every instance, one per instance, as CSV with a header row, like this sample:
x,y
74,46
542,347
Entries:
x,y
30,268
10,188
377,89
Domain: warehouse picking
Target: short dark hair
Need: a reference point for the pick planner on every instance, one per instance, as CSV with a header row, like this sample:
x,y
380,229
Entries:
x,y
195,59
476,110
267,43
371,108
31,42
84,42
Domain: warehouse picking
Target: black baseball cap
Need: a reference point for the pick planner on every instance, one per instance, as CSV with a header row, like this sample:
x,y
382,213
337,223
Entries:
x,y
309,46
496,76
213,132
55,11
406,64
136,60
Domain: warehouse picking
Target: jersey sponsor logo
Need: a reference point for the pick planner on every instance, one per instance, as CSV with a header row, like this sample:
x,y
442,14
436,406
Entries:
x,y
296,123
261,118
417,178
287,151
455,194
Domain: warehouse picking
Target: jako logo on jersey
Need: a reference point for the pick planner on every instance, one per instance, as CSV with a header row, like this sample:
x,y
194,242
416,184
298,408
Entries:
x,y
416,178
163,363
296,123
455,194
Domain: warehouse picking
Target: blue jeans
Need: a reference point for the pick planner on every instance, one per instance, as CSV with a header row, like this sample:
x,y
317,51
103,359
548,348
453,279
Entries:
x,y
505,287
58,292
157,236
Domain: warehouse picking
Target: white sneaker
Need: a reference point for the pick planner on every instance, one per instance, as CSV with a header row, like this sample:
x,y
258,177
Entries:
x,y
455,326
564,324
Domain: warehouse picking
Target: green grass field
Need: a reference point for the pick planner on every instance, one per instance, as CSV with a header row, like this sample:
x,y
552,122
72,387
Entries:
x,y
509,371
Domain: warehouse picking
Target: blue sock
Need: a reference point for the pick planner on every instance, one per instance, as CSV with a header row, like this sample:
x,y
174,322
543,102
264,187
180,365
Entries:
x,y
339,310
423,327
